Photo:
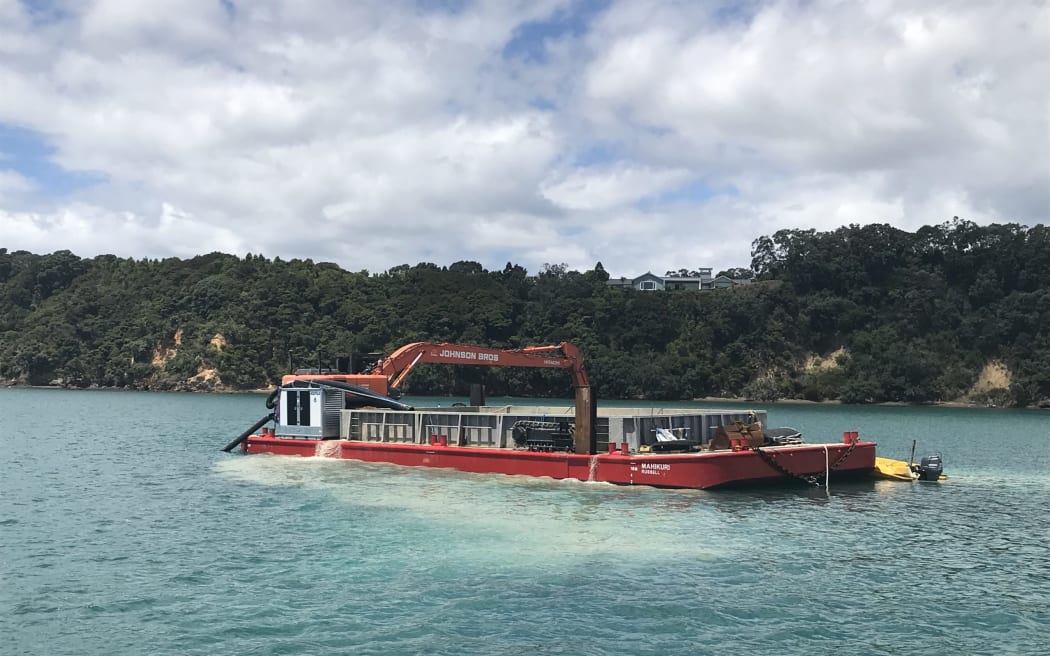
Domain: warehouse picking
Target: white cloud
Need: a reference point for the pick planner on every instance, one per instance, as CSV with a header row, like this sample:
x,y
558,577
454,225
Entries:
x,y
94,230
937,92
375,134
609,188
13,183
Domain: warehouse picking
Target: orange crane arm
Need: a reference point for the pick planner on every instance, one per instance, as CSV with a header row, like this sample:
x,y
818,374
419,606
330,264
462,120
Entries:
x,y
400,363
388,374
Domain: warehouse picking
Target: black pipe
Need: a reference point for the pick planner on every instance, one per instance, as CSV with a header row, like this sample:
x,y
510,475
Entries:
x,y
377,400
243,436
271,401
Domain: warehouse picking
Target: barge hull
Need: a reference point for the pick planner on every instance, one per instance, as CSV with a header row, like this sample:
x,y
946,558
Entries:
x,y
700,470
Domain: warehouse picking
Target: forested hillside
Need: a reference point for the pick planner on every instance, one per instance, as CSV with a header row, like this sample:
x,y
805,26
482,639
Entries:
x,y
860,314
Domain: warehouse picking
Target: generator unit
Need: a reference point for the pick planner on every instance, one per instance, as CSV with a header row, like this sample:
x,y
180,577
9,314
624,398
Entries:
x,y
309,412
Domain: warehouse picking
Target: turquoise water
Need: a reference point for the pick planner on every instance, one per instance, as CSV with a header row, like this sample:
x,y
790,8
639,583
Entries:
x,y
124,530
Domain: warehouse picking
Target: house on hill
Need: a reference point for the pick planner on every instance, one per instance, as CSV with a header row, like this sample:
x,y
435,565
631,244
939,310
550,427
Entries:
x,y
725,282
649,281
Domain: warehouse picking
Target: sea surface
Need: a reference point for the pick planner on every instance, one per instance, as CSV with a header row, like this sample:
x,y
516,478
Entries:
x,y
125,530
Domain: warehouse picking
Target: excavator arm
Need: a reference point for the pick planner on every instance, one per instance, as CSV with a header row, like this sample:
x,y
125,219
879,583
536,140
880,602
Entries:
x,y
388,374
560,356
402,361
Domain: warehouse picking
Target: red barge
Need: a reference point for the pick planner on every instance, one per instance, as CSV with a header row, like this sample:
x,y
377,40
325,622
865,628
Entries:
x,y
339,414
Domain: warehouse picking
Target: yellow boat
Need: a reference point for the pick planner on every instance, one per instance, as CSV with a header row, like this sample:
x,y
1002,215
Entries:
x,y
894,470
898,470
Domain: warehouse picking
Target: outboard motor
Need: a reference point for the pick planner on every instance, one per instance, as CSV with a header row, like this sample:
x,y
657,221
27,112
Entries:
x,y
930,468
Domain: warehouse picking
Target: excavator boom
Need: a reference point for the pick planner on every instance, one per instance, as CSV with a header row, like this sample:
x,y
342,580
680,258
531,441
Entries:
x,y
387,376
561,356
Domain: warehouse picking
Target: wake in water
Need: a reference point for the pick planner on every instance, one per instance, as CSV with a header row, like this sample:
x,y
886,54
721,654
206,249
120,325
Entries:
x,y
524,518
328,449
592,474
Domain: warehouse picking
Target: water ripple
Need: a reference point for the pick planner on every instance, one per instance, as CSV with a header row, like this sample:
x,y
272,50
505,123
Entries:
x,y
145,539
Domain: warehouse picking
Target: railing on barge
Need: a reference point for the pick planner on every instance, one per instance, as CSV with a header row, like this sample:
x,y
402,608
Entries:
x,y
492,426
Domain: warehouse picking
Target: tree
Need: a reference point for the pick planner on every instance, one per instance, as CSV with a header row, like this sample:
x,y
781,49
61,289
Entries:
x,y
913,316
738,273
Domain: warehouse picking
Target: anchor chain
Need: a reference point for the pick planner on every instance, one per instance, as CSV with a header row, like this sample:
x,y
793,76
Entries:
x,y
812,479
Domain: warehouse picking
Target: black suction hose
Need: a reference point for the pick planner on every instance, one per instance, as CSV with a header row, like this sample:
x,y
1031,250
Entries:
x,y
377,400
243,436
364,395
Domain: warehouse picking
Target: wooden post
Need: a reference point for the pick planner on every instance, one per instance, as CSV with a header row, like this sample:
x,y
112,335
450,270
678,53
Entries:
x,y
586,418
477,395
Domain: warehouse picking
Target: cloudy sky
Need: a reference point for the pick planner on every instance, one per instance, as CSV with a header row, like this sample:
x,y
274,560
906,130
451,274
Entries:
x,y
646,135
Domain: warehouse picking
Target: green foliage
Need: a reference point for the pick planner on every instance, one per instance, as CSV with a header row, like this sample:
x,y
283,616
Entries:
x,y
917,315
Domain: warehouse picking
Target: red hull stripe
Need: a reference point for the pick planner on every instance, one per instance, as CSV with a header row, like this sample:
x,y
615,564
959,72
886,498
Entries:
x,y
685,470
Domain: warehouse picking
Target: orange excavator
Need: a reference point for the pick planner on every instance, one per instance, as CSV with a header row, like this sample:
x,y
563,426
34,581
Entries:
x,y
386,375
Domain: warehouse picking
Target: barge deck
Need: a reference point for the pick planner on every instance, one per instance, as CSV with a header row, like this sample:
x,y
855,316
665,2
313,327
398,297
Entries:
x,y
630,446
